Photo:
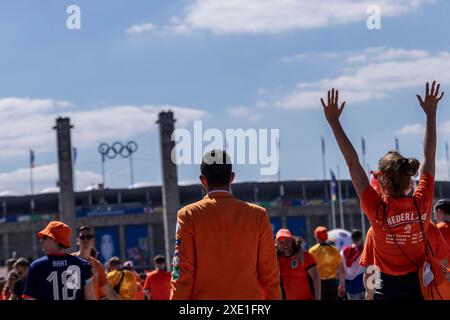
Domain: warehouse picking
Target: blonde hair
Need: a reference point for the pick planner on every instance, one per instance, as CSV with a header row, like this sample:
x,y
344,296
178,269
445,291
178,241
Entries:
x,y
399,171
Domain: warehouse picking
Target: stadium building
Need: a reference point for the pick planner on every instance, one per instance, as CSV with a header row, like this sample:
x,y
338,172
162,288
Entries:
x,y
128,222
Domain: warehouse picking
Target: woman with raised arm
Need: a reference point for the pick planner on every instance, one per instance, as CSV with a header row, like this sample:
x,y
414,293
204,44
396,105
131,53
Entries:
x,y
398,220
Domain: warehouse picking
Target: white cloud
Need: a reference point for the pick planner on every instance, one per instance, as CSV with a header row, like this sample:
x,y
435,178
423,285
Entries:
x,y
144,184
441,170
188,182
141,28
445,127
123,121
244,113
374,80
411,129
376,54
274,16
44,176
419,129
379,54
26,123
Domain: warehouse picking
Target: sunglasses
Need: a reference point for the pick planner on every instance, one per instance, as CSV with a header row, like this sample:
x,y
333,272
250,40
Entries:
x,y
87,237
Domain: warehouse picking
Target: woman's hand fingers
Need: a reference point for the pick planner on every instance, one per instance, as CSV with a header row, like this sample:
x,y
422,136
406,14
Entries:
x,y
437,90
432,88
420,99
342,107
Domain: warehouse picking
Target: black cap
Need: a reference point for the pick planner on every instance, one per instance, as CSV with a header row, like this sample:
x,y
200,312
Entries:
x,y
443,204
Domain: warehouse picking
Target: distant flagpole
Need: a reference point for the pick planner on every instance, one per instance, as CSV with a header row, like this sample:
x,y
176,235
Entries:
x,y
32,165
341,208
280,185
255,193
103,170
363,147
323,159
448,161
333,199
74,157
322,140
278,154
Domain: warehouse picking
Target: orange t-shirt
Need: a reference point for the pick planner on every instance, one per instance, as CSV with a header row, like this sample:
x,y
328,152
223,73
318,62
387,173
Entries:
x,y
366,258
437,242
294,276
433,235
224,251
158,283
444,228
99,276
139,291
402,219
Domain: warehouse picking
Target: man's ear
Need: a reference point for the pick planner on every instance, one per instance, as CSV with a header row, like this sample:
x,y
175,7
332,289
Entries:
x,y
232,177
203,181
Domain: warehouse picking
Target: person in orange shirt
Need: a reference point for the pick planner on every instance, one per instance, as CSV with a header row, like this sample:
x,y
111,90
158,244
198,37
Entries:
x,y
434,237
398,220
442,216
366,260
157,282
225,248
299,276
85,242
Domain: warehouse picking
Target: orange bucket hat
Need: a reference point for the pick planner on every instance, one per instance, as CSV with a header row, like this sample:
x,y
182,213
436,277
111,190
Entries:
x,y
58,231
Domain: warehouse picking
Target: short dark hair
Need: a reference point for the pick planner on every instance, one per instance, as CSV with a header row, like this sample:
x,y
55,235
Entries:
x,y
84,228
216,168
356,235
22,262
159,259
11,261
444,205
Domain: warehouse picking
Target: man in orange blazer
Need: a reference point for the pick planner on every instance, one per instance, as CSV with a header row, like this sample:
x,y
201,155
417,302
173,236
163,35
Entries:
x,y
224,247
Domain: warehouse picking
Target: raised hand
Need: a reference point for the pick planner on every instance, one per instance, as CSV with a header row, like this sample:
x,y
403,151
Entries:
x,y
432,98
331,109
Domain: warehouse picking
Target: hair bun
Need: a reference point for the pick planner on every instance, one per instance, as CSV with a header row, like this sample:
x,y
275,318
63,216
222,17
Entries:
x,y
412,166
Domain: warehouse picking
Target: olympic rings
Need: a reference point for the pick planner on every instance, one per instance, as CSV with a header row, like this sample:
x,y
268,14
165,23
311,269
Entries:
x,y
117,149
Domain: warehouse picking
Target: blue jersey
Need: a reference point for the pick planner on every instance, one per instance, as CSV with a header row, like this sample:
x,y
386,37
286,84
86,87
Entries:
x,y
58,277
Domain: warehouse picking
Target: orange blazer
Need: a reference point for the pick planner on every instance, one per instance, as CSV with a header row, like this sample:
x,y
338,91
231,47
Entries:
x,y
224,250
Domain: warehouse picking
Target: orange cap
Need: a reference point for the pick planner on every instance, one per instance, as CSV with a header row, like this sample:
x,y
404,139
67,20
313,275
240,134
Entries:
x,y
58,231
283,233
321,233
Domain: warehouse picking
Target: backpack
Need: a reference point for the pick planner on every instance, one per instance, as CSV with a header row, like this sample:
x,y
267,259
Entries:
x,y
117,286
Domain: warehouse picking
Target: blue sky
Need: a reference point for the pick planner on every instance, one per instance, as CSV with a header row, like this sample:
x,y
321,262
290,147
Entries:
x,y
232,64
